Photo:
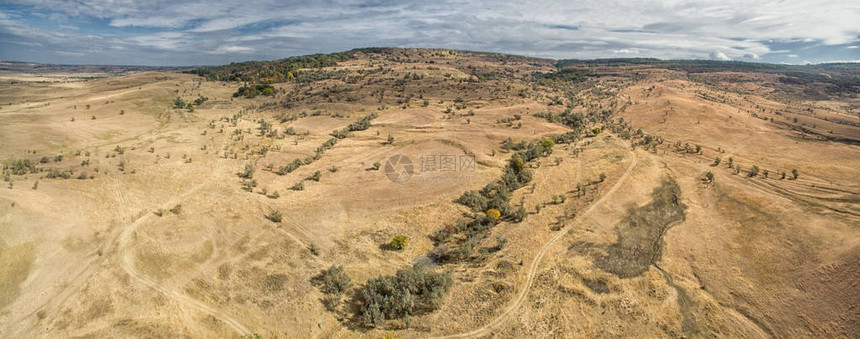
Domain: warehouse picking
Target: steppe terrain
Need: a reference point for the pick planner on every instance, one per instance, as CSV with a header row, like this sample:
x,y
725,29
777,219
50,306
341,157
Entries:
x,y
626,198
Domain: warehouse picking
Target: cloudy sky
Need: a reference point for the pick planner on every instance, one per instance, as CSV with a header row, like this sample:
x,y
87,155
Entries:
x,y
175,32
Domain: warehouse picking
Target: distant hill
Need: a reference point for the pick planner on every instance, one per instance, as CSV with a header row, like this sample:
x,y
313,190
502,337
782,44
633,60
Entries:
x,y
31,67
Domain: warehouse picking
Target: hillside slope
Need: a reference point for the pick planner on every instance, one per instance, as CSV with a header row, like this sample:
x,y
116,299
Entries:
x,y
539,198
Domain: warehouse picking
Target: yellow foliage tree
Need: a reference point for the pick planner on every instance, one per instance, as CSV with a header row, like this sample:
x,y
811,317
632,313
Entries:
x,y
399,242
494,213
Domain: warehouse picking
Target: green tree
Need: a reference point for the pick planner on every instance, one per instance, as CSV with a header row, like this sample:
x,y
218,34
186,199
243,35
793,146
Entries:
x,y
795,173
754,171
334,280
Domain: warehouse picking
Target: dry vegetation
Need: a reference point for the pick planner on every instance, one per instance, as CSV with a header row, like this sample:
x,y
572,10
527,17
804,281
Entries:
x,y
617,198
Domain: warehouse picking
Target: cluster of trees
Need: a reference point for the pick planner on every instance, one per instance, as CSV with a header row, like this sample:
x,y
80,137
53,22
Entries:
x,y
574,120
288,168
411,291
270,71
21,167
178,103
564,74
361,124
255,90
489,205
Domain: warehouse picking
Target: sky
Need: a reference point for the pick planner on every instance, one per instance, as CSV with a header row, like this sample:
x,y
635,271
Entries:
x,y
212,32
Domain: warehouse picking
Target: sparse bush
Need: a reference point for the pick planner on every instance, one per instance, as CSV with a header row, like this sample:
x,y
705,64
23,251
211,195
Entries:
x,y
794,173
176,209
602,177
519,213
376,166
500,242
709,177
298,186
717,161
249,185
248,173
274,215
316,176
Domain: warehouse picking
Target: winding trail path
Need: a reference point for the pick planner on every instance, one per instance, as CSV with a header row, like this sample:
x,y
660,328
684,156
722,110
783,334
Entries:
x,y
524,291
127,261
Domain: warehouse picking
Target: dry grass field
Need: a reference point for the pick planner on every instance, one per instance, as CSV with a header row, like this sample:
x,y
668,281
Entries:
x,y
126,213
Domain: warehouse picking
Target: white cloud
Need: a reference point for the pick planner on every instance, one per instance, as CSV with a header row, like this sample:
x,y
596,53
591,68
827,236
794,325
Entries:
x,y
217,29
719,56
232,49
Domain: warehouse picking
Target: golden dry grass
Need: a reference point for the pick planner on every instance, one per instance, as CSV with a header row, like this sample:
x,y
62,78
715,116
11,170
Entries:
x,y
751,256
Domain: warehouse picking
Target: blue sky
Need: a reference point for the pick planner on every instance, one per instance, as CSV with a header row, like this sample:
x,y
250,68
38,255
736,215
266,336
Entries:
x,y
157,32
